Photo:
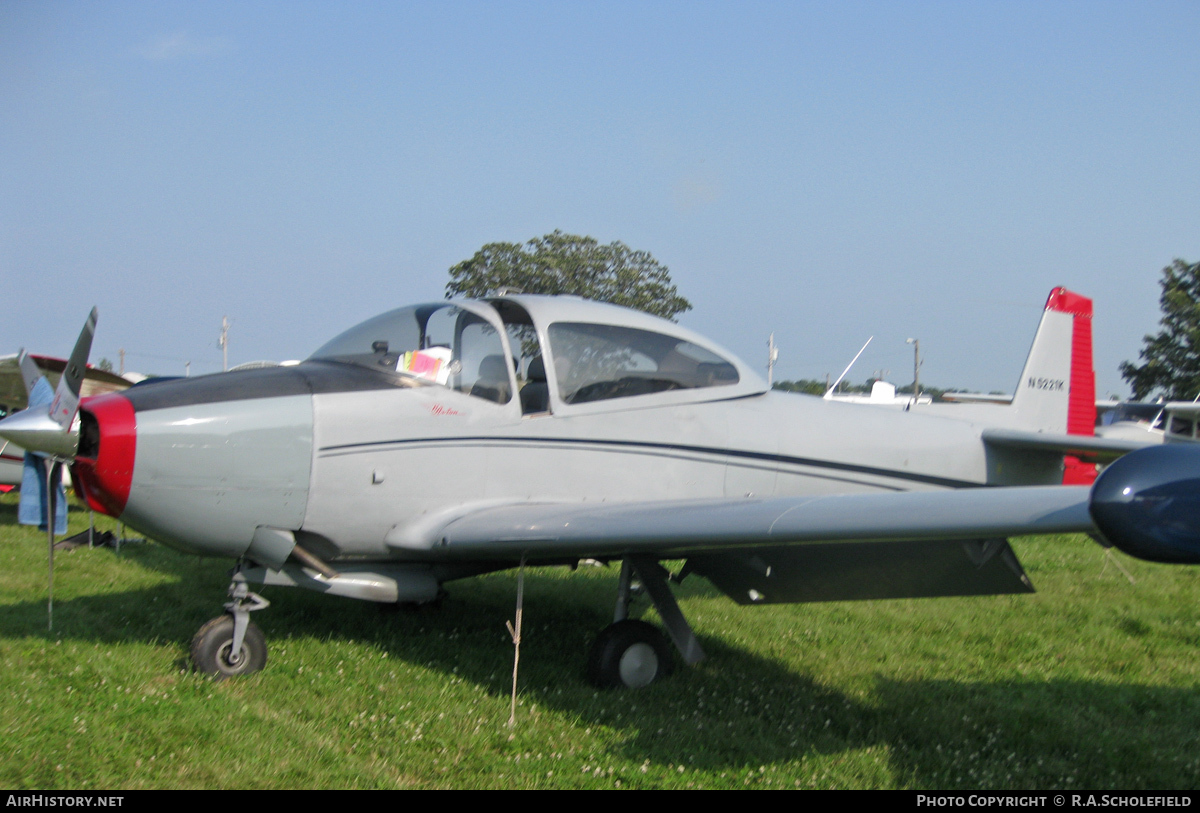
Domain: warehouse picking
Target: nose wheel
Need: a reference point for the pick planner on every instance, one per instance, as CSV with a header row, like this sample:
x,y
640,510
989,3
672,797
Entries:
x,y
231,645
213,649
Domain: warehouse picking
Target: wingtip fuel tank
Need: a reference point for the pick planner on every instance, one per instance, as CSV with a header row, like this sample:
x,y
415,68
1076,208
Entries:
x,y
1147,503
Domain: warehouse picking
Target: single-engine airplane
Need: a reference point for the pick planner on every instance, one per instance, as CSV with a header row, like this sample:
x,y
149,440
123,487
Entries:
x,y
451,439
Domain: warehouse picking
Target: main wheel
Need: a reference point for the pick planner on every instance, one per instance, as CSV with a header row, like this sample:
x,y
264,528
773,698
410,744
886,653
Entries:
x,y
629,654
212,649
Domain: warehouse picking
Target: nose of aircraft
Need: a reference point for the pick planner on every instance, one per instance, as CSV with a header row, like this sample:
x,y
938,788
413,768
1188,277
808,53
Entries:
x,y
1147,503
103,469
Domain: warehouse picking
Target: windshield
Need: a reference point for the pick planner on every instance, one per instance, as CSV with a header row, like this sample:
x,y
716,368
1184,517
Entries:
x,y
439,343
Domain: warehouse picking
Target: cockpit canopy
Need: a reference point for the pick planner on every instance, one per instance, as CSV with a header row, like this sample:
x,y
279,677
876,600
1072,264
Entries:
x,y
583,352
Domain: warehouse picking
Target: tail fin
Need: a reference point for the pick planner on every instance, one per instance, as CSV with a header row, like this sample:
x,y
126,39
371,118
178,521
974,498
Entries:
x,y
1057,390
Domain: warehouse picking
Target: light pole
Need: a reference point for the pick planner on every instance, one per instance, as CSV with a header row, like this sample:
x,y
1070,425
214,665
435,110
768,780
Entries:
x,y
772,357
916,343
223,343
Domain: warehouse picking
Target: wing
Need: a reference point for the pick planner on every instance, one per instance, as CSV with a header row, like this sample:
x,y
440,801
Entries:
x,y
1189,408
825,548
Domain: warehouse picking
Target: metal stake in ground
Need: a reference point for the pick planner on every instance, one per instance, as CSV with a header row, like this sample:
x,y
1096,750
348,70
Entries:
x,y
516,638
52,468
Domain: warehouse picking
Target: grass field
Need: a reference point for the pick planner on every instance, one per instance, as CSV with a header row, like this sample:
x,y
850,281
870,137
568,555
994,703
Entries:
x,y
1091,683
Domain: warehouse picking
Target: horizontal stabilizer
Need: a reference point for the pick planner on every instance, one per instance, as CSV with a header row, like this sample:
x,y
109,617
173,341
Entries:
x,y
1090,448
975,398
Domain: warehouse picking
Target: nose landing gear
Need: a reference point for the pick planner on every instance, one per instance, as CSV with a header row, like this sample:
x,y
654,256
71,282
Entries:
x,y
231,645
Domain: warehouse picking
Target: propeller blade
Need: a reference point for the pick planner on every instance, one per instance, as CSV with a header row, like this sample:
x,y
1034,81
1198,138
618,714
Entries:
x,y
66,397
46,429
30,373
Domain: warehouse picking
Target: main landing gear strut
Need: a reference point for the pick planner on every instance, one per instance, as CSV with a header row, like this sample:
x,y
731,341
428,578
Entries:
x,y
231,644
630,653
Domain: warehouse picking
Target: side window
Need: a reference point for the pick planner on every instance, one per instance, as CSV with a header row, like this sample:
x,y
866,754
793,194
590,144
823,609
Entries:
x,y
594,362
481,357
1182,426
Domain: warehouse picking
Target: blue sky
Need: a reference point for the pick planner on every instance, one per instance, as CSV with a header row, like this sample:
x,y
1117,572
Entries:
x,y
826,171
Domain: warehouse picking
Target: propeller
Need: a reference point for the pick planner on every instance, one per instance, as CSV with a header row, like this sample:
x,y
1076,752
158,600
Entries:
x,y
45,430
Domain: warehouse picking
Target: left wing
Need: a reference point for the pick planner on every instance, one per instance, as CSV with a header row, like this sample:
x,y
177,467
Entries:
x,y
680,528
857,545
791,549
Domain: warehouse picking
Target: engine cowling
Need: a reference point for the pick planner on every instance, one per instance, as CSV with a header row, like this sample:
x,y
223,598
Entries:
x,y
103,468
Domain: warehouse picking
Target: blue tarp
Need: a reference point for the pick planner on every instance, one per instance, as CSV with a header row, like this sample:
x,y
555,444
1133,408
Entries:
x,y
32,508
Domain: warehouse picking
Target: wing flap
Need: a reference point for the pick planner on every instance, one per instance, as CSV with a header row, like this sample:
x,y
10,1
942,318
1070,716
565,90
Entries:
x,y
855,571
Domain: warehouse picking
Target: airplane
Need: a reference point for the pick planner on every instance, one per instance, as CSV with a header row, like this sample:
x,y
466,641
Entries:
x,y
883,393
451,439
1143,421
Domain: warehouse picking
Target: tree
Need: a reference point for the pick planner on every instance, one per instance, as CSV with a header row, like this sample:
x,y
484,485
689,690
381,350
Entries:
x,y
1172,358
569,264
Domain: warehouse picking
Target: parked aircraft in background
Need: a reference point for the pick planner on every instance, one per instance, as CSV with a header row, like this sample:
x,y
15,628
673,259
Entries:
x,y
1145,422
14,397
1164,422
883,393
450,439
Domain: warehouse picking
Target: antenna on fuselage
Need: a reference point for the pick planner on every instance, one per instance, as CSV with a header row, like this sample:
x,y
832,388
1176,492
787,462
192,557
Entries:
x,y
833,386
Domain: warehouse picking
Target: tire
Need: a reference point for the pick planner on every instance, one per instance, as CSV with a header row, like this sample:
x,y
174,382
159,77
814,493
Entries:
x,y
212,644
629,655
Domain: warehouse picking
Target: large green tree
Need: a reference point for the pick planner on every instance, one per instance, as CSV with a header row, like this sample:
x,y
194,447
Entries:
x,y
569,264
1171,359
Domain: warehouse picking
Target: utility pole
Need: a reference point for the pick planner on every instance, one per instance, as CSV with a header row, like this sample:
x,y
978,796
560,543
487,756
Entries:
x,y
772,357
223,343
122,354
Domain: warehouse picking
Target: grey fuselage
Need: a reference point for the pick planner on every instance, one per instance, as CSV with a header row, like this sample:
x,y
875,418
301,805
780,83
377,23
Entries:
x,y
370,464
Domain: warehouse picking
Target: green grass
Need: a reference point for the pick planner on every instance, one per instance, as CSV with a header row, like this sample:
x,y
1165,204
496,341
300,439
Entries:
x,y
1091,683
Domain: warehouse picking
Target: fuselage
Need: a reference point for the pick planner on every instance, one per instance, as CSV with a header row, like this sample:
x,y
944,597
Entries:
x,y
368,460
